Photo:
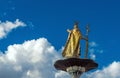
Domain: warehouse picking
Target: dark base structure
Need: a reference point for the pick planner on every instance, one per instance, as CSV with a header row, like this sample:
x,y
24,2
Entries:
x,y
75,66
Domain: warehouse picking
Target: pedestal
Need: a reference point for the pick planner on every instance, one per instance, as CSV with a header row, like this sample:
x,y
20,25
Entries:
x,y
75,66
75,71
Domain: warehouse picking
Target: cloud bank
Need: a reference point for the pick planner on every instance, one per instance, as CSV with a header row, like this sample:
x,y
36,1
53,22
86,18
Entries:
x,y
6,27
32,59
35,59
112,71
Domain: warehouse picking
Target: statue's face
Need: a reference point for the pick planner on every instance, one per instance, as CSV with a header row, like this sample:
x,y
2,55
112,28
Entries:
x,y
75,26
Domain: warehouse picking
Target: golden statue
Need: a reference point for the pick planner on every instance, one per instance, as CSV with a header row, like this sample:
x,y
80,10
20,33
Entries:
x,y
72,47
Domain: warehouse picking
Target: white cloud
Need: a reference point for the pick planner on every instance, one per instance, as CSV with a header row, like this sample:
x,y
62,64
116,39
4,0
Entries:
x,y
32,59
93,44
62,74
92,56
6,27
112,71
35,59
93,48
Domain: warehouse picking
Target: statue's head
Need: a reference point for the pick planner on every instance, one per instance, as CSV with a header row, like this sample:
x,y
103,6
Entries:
x,y
76,25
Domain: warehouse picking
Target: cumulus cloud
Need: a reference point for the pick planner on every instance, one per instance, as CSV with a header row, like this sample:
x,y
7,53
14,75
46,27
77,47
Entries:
x,y
35,59
6,27
62,74
32,59
112,71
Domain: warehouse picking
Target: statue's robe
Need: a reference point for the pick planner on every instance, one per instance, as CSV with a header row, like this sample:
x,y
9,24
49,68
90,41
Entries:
x,y
72,47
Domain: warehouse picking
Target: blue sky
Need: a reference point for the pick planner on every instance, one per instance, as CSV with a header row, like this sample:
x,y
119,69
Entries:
x,y
51,18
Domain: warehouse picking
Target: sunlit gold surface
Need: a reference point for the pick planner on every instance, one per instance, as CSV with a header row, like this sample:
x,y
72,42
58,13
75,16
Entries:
x,y
72,47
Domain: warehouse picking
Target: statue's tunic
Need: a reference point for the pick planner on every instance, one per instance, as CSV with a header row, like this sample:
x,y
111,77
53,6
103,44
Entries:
x,y
72,47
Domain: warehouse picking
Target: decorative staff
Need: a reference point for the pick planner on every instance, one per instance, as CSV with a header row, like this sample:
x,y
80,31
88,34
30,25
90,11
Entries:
x,y
87,43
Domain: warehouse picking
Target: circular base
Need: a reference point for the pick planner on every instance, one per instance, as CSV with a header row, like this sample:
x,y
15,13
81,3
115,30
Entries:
x,y
88,64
